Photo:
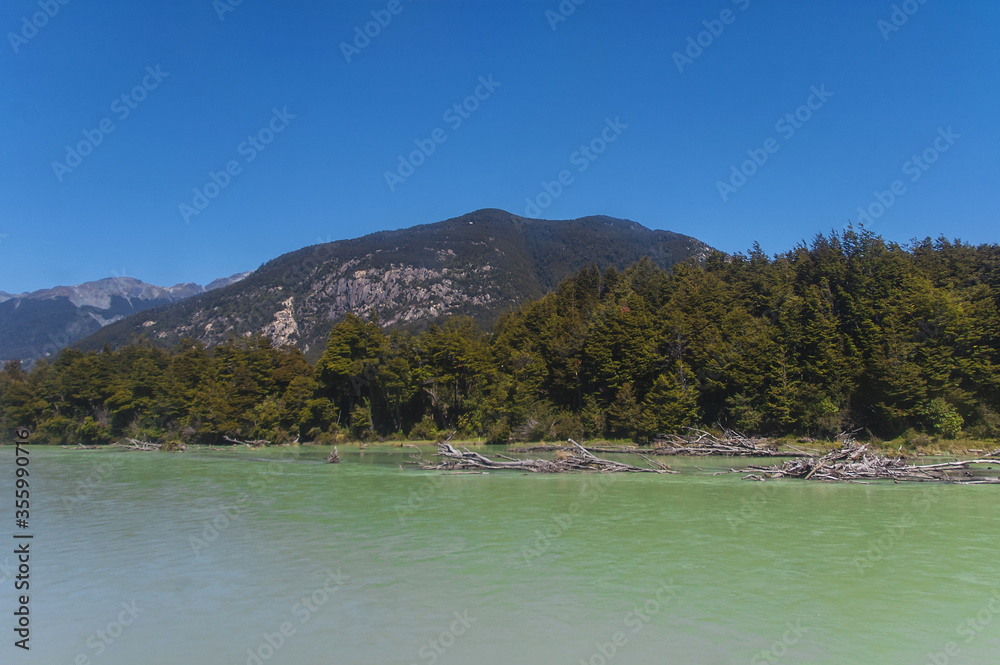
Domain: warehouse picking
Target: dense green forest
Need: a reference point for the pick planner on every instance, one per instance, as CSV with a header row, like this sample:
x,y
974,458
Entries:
x,y
848,332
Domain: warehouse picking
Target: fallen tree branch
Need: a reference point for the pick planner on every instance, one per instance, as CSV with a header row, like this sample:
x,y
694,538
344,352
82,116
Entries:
x,y
853,463
700,442
624,450
580,459
256,443
138,445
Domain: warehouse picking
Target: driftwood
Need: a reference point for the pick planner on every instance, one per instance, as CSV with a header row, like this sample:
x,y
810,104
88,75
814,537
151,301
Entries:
x,y
79,446
333,457
138,445
547,448
256,443
700,442
625,450
853,463
580,459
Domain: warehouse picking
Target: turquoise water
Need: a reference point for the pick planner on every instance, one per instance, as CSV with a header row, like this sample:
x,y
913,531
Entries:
x,y
214,552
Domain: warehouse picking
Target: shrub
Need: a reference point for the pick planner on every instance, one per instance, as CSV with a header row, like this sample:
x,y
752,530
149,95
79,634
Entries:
x,y
537,424
987,423
566,426
56,429
742,413
944,419
425,430
912,438
361,421
592,417
498,433
90,431
334,437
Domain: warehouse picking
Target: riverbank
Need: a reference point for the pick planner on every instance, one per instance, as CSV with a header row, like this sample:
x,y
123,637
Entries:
x,y
921,445
219,544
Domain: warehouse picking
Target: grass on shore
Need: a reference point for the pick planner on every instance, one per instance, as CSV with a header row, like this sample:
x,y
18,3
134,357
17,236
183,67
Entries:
x,y
909,445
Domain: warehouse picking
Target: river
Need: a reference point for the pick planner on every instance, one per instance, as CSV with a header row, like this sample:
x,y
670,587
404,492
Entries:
x,y
238,556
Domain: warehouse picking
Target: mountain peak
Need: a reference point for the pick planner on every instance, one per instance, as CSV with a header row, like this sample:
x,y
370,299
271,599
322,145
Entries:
x,y
479,264
38,324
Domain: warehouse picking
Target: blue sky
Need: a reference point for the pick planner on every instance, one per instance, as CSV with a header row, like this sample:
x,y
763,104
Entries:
x,y
265,88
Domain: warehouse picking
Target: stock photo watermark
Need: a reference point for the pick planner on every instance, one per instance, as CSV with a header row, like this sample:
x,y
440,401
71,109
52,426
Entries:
x,y
303,610
636,619
899,17
879,547
101,640
696,44
751,510
581,158
562,12
7,570
249,149
85,487
974,625
223,7
455,116
969,629
914,168
226,515
23,538
780,647
431,650
56,343
418,498
363,35
31,24
590,491
786,126
122,108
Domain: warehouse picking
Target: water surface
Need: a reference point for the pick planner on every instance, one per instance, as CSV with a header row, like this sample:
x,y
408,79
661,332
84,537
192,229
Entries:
x,y
216,549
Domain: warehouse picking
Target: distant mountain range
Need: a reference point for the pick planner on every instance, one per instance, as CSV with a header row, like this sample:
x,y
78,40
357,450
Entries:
x,y
38,324
480,264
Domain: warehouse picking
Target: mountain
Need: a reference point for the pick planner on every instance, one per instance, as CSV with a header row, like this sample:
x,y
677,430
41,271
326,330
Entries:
x,y
39,324
480,265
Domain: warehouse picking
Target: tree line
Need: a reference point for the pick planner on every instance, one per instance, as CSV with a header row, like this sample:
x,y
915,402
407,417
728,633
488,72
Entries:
x,y
848,332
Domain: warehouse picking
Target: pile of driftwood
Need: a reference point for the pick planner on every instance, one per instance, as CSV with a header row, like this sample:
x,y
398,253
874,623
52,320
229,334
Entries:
x,y
138,445
256,443
700,442
553,448
853,463
580,459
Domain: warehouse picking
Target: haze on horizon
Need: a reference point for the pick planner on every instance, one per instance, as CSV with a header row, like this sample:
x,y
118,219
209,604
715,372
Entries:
x,y
732,121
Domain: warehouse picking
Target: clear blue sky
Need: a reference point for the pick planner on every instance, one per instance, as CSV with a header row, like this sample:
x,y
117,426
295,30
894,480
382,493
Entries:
x,y
322,177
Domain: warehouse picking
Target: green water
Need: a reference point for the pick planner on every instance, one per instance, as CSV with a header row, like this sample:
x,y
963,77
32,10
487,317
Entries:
x,y
497,568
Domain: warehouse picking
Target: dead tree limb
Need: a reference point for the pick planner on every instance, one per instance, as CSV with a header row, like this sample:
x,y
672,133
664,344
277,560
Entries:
x,y
138,445
580,459
700,442
256,443
853,463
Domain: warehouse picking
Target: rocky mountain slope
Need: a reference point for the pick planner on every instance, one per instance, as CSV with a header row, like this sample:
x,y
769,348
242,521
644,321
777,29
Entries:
x,y
480,264
39,324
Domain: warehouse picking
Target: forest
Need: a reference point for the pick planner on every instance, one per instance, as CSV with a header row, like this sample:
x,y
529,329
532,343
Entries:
x,y
849,332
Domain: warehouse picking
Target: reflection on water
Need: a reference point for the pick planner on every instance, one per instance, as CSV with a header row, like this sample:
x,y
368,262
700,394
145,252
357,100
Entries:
x,y
274,557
